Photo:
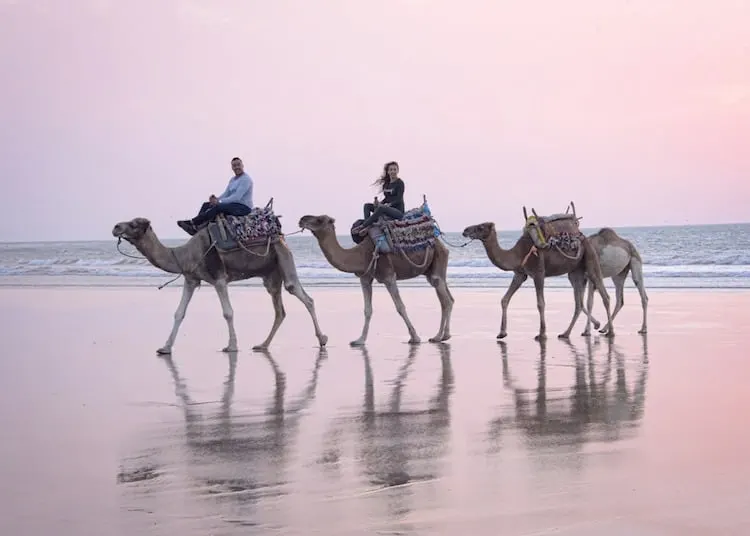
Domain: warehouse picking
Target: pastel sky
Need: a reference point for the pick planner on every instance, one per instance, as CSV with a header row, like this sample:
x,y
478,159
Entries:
x,y
639,110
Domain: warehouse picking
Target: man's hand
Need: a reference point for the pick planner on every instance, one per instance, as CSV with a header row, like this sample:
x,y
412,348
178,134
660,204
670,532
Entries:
x,y
376,202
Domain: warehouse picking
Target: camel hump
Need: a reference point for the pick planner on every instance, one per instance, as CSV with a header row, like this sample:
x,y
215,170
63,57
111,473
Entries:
x,y
607,233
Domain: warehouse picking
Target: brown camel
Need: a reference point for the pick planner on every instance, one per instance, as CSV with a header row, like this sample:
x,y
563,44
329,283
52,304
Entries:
x,y
386,268
617,257
525,259
199,260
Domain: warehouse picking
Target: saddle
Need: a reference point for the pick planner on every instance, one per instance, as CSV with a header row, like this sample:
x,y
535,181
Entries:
x,y
560,229
260,227
416,230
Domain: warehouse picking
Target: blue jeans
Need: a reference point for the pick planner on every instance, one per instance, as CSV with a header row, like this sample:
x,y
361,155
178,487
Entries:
x,y
208,212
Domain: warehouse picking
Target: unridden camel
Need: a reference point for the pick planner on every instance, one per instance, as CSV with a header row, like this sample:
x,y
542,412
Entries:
x,y
617,257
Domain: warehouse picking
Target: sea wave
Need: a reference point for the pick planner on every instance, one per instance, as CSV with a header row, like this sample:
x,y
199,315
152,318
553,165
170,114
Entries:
x,y
460,269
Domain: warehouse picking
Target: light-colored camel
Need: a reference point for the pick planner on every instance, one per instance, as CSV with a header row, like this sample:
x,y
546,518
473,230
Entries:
x,y
617,257
387,269
525,260
198,260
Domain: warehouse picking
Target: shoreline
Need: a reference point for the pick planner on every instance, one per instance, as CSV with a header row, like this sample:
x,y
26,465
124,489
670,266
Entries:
x,y
556,284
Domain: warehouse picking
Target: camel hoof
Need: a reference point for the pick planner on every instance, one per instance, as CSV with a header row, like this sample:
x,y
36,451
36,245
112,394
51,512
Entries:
x,y
260,348
610,334
356,343
446,337
415,340
540,338
642,331
586,334
596,324
229,349
323,340
164,351
501,335
605,329
564,336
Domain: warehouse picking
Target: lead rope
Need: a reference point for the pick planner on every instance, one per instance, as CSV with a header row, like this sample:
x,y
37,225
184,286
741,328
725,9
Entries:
x,y
174,256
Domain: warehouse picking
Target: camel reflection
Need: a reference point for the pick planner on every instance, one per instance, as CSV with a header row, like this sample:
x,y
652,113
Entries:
x,y
240,456
593,409
399,446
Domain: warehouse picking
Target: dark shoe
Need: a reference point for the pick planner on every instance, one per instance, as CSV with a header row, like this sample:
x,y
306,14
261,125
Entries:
x,y
187,226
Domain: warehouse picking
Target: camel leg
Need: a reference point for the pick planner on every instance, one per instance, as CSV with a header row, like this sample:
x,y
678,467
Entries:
x,y
619,281
515,284
366,283
446,307
294,287
273,286
599,284
539,286
578,280
636,270
222,290
188,288
594,273
587,311
392,287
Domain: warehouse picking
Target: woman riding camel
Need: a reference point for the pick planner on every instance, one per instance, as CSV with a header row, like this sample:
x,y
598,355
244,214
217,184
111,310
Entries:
x,y
392,204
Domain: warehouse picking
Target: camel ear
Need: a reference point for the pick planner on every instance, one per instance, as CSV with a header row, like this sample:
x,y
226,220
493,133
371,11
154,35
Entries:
x,y
143,223
332,220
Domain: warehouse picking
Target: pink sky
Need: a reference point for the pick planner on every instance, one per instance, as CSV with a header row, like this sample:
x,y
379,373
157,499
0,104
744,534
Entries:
x,y
639,111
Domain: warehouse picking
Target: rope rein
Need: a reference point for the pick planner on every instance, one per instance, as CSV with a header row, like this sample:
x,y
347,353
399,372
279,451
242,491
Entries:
x,y
174,257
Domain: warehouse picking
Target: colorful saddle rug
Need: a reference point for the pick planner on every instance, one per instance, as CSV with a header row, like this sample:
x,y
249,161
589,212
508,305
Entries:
x,y
255,229
416,231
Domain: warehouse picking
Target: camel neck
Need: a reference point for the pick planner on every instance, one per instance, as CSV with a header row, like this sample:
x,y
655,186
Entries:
x,y
505,259
353,261
158,254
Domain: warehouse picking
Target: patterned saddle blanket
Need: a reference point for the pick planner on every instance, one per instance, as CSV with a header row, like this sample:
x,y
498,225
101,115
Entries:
x,y
255,229
415,231
555,230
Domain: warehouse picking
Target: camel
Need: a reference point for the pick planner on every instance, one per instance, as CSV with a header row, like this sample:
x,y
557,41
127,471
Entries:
x,y
525,259
387,268
199,260
617,256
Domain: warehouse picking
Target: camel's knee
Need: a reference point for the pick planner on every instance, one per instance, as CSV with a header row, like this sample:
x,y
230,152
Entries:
x,y
179,316
229,315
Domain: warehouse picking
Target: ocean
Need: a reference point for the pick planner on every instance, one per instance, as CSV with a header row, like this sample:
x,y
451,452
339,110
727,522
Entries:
x,y
706,256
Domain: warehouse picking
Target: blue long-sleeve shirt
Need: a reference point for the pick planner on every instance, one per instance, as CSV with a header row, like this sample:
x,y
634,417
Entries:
x,y
239,190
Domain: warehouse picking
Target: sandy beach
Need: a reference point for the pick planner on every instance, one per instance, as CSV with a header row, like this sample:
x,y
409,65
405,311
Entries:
x,y
642,435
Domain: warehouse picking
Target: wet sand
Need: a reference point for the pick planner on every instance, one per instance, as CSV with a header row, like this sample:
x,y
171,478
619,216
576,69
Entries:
x,y
644,436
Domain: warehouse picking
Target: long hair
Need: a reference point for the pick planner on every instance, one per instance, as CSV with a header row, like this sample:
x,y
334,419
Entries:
x,y
384,179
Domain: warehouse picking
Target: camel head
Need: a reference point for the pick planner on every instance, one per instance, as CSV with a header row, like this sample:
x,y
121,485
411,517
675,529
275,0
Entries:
x,y
480,231
317,224
133,230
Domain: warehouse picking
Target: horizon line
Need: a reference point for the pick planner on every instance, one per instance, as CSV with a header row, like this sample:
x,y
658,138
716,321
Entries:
x,y
68,241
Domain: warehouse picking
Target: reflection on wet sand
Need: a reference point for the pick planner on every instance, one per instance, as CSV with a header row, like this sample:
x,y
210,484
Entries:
x,y
397,447
234,458
593,409
400,447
